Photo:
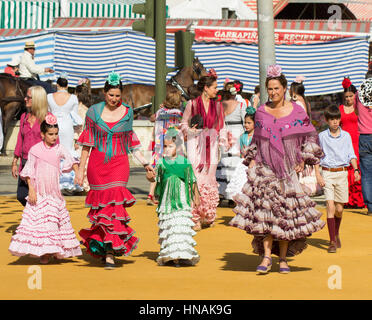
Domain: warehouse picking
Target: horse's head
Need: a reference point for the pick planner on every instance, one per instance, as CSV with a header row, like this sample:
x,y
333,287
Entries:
x,y
199,70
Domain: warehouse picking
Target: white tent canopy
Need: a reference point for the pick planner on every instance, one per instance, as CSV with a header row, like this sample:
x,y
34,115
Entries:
x,y
207,9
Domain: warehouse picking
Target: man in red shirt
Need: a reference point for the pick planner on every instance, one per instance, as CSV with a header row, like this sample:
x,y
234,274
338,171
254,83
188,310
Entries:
x,y
13,67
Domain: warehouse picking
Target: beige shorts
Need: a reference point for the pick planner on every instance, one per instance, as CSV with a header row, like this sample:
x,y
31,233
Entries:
x,y
336,186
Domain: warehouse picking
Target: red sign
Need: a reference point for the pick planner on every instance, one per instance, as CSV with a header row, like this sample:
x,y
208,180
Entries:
x,y
251,36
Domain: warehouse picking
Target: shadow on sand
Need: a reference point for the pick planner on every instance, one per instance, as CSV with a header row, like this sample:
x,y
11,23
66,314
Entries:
x,y
236,261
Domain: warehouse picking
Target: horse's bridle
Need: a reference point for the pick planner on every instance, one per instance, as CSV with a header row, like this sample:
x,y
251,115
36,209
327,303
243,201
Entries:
x,y
175,83
197,70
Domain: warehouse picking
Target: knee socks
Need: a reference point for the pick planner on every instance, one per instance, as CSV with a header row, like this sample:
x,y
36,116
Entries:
x,y
337,224
331,229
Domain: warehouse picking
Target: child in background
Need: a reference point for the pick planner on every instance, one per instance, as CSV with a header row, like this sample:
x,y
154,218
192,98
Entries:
x,y
177,190
45,229
168,115
239,177
339,153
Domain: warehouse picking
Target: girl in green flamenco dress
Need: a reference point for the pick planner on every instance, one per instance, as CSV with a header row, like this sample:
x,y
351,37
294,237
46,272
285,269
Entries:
x,y
177,191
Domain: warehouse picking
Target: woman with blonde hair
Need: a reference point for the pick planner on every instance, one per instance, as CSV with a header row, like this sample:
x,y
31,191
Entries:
x,y
29,134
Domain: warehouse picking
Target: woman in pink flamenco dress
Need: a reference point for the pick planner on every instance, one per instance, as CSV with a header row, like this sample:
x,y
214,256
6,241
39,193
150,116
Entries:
x,y
107,139
45,229
203,142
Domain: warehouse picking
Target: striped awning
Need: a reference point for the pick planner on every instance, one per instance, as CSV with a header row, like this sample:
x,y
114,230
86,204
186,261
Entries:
x,y
278,5
362,9
111,24
28,14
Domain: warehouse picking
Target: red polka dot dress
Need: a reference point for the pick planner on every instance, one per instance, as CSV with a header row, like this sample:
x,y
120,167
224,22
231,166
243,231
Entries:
x,y
108,173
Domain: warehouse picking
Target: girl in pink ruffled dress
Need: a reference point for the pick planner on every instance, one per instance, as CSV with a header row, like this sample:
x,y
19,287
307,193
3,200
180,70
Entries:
x,y
45,229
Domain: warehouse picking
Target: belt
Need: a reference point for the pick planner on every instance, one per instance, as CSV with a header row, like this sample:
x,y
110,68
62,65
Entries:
x,y
335,169
233,122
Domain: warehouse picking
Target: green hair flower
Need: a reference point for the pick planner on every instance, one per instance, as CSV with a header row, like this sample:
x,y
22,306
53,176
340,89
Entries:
x,y
171,132
250,110
113,78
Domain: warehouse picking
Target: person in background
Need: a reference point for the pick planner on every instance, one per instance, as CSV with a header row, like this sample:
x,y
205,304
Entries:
x,y
234,113
363,109
255,99
168,115
307,177
65,107
203,143
349,123
1,132
29,71
12,67
82,91
29,134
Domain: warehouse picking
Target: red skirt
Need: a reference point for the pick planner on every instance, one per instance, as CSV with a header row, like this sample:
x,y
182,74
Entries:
x,y
355,191
108,199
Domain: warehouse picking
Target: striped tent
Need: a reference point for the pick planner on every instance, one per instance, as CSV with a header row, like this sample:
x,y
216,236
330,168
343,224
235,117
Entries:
x,y
14,46
324,65
133,55
94,55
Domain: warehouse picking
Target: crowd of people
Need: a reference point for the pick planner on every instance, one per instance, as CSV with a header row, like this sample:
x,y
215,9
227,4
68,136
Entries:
x,y
266,160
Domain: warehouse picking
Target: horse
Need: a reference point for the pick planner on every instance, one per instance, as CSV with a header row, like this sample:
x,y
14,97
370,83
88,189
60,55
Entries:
x,y
12,94
136,95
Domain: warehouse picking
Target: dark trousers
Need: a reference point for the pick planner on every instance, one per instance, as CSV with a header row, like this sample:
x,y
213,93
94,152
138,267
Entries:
x,y
22,188
365,161
46,85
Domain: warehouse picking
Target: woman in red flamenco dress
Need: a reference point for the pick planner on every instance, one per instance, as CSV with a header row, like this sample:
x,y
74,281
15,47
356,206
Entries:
x,y
107,139
349,123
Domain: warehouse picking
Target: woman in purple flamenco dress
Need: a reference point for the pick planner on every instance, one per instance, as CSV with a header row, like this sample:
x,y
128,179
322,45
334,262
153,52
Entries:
x,y
272,205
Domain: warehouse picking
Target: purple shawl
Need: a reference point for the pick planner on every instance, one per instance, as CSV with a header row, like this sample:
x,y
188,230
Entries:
x,y
297,123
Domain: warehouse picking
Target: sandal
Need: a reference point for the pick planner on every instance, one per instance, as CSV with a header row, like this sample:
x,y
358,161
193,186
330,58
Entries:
x,y
151,200
284,270
263,269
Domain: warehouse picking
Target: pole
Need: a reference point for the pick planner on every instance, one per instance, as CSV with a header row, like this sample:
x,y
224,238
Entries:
x,y
160,54
266,42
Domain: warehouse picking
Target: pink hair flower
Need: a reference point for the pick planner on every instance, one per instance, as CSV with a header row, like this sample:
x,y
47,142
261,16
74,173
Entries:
x,y
300,79
50,119
212,73
274,71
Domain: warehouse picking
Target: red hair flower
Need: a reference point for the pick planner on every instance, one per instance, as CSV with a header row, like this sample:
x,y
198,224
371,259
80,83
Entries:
x,y
346,83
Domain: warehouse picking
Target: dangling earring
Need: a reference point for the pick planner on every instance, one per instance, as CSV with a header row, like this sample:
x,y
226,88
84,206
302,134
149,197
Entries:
x,y
205,94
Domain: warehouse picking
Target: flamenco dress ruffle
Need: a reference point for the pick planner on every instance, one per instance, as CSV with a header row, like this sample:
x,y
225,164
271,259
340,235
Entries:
x,y
269,206
108,199
206,212
45,229
175,228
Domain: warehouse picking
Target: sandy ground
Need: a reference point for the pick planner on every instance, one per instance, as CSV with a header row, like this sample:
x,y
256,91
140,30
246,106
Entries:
x,y
226,270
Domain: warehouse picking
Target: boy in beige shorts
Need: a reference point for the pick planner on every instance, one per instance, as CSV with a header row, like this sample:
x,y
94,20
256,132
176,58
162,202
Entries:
x,y
338,155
